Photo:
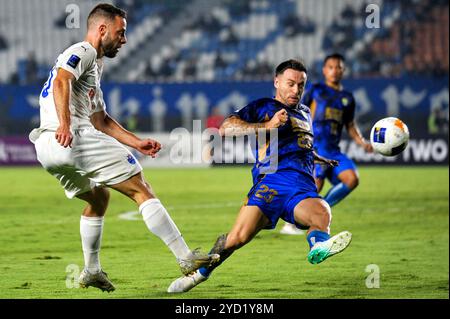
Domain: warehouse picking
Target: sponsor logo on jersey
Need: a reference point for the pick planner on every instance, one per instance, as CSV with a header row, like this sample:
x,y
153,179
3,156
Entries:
x,y
73,61
131,159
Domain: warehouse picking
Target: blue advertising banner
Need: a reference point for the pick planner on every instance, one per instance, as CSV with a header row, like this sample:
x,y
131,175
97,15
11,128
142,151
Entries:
x,y
421,103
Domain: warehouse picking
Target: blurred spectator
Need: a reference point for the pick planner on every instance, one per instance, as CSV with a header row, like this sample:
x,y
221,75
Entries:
x,y
31,69
3,43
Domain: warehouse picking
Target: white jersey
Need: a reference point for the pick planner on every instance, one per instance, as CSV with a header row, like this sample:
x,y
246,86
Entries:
x,y
95,158
81,60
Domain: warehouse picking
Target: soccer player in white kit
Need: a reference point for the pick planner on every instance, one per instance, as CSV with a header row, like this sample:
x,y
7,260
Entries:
x,y
81,145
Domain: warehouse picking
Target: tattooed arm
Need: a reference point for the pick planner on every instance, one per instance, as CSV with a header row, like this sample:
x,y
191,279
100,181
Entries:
x,y
235,126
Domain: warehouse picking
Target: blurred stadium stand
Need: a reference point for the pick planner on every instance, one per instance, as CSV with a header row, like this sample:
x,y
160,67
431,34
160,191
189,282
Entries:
x,y
225,40
201,59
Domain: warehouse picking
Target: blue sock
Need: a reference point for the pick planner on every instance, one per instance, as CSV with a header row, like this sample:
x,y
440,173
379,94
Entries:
x,y
316,236
337,193
204,271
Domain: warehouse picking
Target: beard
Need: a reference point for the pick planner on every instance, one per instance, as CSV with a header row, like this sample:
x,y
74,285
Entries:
x,y
110,49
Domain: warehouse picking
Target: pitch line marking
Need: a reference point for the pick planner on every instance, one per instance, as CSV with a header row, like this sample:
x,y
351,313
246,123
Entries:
x,y
134,215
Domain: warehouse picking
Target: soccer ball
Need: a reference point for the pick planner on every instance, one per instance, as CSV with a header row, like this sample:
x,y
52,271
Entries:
x,y
389,136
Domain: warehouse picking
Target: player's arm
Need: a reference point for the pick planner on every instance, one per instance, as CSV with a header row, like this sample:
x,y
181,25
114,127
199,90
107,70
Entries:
x,y
235,126
62,88
322,160
106,124
355,134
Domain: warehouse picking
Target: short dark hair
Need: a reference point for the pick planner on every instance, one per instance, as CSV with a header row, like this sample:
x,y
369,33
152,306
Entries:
x,y
106,10
336,56
290,64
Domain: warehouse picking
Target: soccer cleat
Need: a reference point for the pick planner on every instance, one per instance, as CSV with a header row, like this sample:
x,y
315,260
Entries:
x,y
290,229
322,250
98,280
195,259
186,283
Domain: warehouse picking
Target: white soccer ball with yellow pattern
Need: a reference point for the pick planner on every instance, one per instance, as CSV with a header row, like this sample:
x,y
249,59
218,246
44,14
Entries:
x,y
389,136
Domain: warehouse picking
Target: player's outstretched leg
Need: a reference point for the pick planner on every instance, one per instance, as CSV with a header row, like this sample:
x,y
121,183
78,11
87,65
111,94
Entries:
x,y
159,222
316,214
186,283
324,249
248,223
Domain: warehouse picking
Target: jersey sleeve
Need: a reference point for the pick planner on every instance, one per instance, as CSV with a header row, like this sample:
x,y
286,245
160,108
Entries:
x,y
247,113
349,114
256,112
77,60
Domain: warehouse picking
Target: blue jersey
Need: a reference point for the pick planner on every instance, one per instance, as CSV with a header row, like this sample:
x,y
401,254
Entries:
x,y
333,110
295,138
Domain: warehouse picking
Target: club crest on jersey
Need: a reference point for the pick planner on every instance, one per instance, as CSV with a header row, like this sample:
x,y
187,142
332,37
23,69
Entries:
x,y
73,61
344,101
131,159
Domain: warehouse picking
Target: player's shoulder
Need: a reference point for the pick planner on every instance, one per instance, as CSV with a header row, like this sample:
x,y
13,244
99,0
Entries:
x,y
83,48
265,103
347,94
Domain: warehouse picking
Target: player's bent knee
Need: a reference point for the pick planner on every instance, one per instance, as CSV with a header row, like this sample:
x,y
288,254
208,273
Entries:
x,y
103,196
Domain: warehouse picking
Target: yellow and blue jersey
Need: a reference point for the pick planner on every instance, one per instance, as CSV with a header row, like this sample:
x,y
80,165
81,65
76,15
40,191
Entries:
x,y
332,110
277,192
295,138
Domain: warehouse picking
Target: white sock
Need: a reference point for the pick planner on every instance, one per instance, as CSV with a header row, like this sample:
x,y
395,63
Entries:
x,y
159,223
91,229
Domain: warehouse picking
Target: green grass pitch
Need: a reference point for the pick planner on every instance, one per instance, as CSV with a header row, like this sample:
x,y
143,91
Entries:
x,y
398,216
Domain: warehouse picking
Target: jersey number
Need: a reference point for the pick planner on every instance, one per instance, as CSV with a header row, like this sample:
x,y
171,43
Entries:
x,y
48,84
266,194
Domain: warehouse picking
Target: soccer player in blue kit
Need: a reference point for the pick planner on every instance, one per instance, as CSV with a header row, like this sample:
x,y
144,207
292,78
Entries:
x,y
332,108
289,192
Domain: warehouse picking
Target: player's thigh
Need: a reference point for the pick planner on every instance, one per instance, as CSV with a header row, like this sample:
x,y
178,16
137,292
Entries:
x,y
311,211
249,222
136,188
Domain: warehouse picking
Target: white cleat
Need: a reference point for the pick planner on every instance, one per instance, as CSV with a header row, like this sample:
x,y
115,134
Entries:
x,y
186,283
195,260
323,250
98,280
291,229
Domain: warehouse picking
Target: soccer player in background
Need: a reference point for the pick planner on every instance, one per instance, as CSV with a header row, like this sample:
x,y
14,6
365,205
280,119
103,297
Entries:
x,y
332,109
80,144
288,191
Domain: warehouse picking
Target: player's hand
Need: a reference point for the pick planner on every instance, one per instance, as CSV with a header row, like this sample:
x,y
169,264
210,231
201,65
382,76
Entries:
x,y
279,119
149,147
368,147
326,161
64,136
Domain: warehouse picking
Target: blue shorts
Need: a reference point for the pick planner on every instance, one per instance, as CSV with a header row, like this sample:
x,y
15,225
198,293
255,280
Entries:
x,y
323,171
278,194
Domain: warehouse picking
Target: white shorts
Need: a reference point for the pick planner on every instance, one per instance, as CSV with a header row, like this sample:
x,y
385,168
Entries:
x,y
95,159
